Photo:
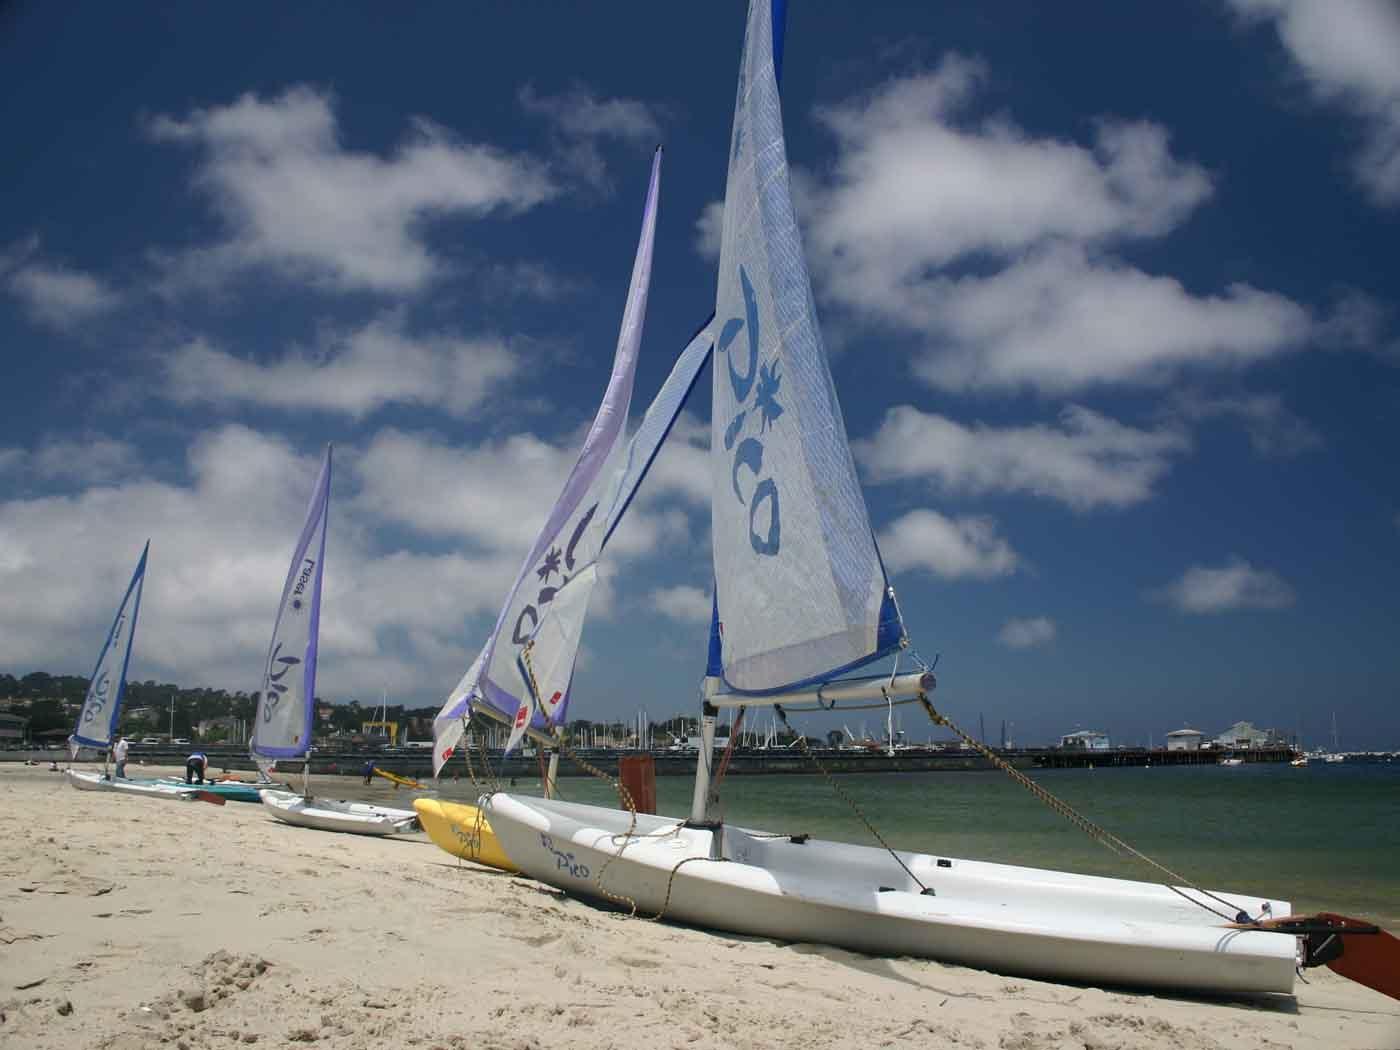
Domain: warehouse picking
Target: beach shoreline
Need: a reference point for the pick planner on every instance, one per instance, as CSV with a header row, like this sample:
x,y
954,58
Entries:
x,y
132,923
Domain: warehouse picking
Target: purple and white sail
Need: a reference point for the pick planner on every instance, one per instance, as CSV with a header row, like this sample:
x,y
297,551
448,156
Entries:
x,y
287,706
555,643
97,721
498,684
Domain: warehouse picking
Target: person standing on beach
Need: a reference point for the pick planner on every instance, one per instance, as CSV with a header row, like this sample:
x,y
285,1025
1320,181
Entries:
x,y
194,768
369,771
119,750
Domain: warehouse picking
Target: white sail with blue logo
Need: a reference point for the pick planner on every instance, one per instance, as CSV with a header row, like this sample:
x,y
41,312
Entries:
x,y
287,706
97,721
801,594
500,688
555,642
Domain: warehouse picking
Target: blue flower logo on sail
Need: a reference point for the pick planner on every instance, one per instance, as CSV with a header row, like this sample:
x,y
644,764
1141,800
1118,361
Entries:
x,y
748,454
550,565
272,684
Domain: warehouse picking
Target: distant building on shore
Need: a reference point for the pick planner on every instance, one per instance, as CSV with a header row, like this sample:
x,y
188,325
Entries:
x,y
1247,735
1085,740
1187,739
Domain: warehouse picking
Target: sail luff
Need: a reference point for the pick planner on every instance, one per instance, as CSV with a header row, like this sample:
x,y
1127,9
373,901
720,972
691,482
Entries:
x,y
286,708
102,699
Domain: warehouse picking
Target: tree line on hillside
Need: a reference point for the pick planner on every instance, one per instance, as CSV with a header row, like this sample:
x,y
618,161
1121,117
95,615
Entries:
x,y
52,701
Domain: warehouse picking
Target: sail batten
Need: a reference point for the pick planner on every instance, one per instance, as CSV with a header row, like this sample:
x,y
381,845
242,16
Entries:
x,y
801,594
97,720
287,703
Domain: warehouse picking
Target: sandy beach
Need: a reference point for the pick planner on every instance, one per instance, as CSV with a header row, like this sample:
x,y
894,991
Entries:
x,y
129,923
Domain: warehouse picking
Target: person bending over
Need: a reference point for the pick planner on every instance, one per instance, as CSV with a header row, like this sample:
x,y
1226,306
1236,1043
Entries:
x,y
194,768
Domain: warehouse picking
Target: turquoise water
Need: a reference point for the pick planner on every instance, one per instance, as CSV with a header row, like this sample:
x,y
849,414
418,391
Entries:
x,y
1323,837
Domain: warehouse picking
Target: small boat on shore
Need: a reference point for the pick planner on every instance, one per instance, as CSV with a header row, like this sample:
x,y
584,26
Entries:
x,y
463,831
326,814
85,781
1000,917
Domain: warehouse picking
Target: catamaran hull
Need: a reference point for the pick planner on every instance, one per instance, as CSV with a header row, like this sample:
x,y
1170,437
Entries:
x,y
462,831
146,789
1012,920
323,814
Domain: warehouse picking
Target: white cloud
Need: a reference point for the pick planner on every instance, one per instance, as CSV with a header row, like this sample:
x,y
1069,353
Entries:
x,y
295,199
219,550
356,374
96,460
1088,461
581,120
1027,633
1234,585
686,604
709,230
498,494
991,246
1273,429
53,294
579,113
1059,321
1347,53
954,548
912,188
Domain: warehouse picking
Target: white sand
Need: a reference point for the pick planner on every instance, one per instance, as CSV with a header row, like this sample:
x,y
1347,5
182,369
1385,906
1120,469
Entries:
x,y
130,923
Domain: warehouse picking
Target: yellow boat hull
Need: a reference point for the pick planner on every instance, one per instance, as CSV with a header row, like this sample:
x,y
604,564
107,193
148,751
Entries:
x,y
462,831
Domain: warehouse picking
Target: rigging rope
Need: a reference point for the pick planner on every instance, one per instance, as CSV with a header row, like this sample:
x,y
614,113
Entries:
x,y
802,745
1064,809
622,793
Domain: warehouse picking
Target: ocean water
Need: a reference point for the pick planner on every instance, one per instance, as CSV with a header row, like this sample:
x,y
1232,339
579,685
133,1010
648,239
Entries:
x,y
1325,837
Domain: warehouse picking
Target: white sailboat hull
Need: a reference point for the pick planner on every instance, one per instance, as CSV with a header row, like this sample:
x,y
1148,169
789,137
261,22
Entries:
x,y
97,782
1008,919
324,814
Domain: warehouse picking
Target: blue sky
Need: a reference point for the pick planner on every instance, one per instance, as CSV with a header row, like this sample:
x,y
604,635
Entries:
x,y
1110,292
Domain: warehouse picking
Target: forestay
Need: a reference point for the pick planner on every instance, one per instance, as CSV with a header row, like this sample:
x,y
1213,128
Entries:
x,y
286,708
801,593
554,558
103,704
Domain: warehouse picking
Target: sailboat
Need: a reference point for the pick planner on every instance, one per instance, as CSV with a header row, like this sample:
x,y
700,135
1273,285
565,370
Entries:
x,y
802,601
1335,755
287,703
102,706
552,590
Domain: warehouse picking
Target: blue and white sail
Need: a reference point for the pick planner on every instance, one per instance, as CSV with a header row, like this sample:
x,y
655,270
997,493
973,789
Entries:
x,y
287,706
97,721
499,685
801,594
